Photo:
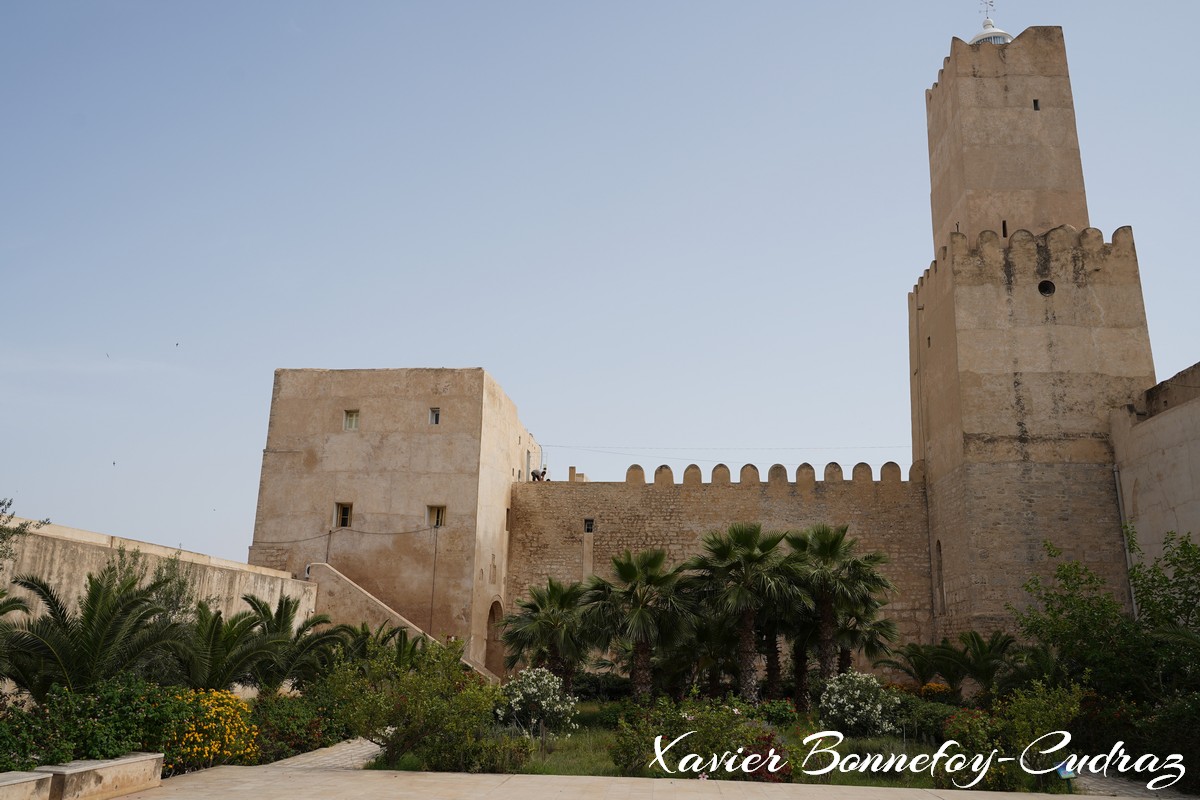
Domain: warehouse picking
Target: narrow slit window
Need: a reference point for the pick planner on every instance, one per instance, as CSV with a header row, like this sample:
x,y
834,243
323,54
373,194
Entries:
x,y
436,516
1036,105
343,515
1004,228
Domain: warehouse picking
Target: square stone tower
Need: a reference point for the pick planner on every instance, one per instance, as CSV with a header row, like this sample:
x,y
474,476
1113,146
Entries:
x,y
1024,333
399,479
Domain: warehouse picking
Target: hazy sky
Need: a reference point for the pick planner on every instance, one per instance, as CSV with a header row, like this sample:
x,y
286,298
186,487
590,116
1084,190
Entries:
x,y
674,232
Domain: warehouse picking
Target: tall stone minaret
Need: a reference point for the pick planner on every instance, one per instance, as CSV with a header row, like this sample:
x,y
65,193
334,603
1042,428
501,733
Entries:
x,y
1026,330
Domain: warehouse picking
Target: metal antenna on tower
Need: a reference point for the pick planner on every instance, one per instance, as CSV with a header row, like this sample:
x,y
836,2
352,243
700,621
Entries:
x,y
987,8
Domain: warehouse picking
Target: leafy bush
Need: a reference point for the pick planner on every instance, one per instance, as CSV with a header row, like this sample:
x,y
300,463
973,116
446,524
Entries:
x,y
1170,727
856,705
290,725
977,731
537,703
715,728
779,713
216,730
936,692
921,719
601,686
30,739
444,716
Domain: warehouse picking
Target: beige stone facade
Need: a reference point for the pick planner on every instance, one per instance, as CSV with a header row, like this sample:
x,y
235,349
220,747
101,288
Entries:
x,y
400,480
1027,340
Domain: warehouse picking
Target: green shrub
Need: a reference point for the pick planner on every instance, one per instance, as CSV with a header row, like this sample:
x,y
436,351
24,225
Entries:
x,y
214,728
1171,727
978,732
607,715
601,686
856,705
444,717
290,725
116,716
29,739
537,704
921,719
1035,711
779,713
715,728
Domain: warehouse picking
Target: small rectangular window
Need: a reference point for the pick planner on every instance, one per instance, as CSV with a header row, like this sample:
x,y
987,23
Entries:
x,y
342,515
350,420
1037,106
435,516
435,416
589,525
507,518
1004,228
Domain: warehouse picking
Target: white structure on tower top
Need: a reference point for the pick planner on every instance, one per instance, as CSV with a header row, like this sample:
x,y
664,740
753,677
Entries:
x,y
991,33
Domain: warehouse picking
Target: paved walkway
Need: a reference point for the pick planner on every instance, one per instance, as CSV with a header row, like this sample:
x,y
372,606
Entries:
x,y
335,772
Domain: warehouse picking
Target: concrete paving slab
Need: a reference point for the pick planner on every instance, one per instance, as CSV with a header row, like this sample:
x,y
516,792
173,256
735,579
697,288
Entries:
x,y
318,783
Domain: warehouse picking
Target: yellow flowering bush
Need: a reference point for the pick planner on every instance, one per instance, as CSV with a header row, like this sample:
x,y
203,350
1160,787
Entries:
x,y
215,730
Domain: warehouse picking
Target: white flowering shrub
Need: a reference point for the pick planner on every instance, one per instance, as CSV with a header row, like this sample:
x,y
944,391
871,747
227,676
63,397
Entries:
x,y
537,703
856,705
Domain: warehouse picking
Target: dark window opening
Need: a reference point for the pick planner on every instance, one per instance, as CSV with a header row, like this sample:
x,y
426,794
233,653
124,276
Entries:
x,y
928,342
589,525
436,516
1046,288
435,416
1036,105
1004,228
342,515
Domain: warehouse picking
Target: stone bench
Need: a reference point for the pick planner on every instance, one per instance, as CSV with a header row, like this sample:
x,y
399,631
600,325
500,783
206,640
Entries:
x,y
24,786
100,780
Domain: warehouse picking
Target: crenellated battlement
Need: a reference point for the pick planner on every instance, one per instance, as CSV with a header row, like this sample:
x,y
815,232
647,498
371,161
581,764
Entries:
x,y
1082,257
986,59
805,475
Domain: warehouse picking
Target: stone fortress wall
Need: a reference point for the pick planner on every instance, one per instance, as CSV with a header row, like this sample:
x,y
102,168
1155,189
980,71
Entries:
x,y
1020,352
549,536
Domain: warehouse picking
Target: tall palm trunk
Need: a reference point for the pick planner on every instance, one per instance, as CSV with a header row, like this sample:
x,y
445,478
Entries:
x,y
845,659
826,627
639,670
747,655
800,667
773,676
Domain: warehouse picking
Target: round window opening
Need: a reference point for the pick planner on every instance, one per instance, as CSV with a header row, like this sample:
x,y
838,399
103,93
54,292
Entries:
x,y
1046,288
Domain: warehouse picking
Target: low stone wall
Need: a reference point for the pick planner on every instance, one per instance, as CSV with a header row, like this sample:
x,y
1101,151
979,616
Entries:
x,y
100,780
64,557
25,786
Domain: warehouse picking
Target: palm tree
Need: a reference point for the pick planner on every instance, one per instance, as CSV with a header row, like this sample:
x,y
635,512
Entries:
x,y
983,660
860,629
302,652
800,627
741,572
224,652
548,630
361,643
118,628
917,661
834,576
643,607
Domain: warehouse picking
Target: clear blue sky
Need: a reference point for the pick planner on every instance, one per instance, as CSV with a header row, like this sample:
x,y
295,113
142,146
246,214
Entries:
x,y
674,231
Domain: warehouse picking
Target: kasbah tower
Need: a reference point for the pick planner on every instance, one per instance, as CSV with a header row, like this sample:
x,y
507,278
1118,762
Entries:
x,y
405,494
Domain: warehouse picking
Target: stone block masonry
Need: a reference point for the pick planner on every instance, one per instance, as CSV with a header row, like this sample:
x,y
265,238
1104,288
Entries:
x,y
550,536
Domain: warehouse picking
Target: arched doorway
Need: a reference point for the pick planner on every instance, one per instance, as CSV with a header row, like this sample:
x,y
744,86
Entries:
x,y
494,657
